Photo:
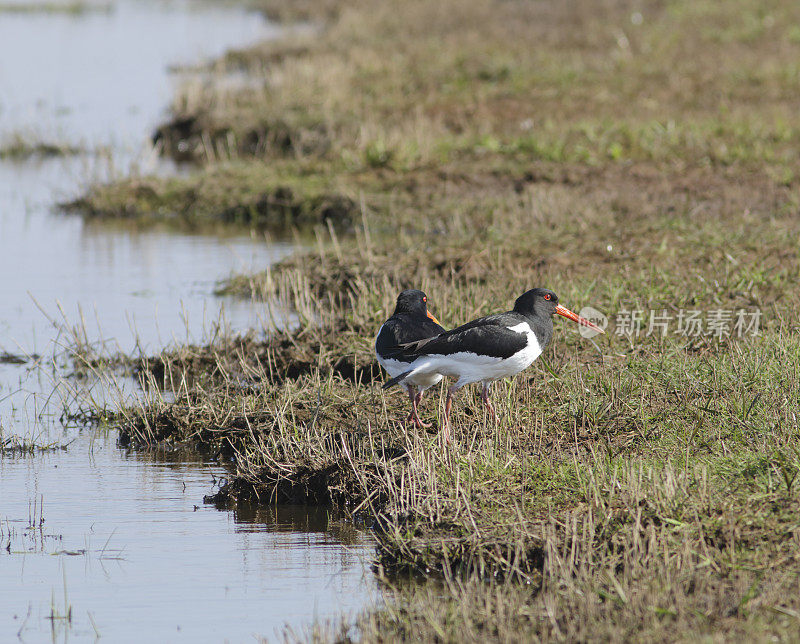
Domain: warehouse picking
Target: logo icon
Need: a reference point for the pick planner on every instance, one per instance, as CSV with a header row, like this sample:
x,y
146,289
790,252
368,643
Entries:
x,y
594,316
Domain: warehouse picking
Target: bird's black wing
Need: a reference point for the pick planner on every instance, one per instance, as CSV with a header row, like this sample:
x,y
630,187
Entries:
x,y
489,336
400,330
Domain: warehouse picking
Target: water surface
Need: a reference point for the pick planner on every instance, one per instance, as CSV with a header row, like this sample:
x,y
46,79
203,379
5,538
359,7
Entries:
x,y
128,539
94,540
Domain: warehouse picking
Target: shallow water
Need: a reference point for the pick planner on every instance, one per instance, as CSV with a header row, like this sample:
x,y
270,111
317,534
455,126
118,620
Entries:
x,y
144,559
126,535
99,80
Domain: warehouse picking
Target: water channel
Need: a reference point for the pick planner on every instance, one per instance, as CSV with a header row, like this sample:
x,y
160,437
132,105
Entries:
x,y
96,541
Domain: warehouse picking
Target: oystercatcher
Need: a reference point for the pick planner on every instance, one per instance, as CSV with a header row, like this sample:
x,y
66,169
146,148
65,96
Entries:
x,y
486,349
410,321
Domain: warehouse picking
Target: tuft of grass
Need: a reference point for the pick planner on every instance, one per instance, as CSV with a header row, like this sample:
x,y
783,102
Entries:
x,y
19,147
235,194
24,445
77,8
15,358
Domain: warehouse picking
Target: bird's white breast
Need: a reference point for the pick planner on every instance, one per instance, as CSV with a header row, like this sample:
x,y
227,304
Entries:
x,y
524,358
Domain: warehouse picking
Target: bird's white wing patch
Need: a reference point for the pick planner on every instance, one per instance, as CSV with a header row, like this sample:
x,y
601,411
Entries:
x,y
522,327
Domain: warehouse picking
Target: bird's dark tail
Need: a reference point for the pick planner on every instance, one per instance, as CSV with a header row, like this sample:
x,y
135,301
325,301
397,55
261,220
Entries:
x,y
397,379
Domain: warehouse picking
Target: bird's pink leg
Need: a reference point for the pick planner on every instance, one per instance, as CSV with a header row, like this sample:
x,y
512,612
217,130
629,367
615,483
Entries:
x,y
485,398
410,392
414,415
447,405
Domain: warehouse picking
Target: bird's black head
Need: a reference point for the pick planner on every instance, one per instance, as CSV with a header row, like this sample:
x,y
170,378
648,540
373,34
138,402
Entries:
x,y
543,303
538,301
412,301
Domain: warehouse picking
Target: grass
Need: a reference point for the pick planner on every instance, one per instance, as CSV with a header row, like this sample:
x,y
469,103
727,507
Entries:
x,y
65,8
629,156
670,462
13,358
238,195
19,147
458,93
15,445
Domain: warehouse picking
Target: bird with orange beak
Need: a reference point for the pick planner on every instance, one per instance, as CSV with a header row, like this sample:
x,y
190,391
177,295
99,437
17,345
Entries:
x,y
411,321
487,349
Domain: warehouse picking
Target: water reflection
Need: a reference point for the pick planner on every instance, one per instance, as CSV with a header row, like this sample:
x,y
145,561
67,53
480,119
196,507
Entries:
x,y
297,518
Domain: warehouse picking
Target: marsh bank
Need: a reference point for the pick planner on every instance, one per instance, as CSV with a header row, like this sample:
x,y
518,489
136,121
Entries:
x,y
634,156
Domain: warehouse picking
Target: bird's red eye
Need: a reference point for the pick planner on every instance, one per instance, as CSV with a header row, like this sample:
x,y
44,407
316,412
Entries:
x,y
424,299
547,296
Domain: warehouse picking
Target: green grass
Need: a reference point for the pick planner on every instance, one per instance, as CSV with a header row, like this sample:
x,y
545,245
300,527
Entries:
x,y
20,147
67,8
672,463
672,90
235,194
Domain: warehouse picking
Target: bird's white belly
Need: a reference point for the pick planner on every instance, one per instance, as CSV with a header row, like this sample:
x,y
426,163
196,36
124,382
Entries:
x,y
395,367
424,380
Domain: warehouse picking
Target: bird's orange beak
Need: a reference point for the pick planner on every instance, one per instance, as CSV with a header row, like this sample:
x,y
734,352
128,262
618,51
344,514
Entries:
x,y
431,316
565,312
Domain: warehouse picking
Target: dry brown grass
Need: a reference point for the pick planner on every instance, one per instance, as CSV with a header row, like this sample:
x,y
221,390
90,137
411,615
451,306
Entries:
x,y
380,102
599,81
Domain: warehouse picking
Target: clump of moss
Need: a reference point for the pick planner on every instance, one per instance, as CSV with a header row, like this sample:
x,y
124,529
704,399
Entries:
x,y
251,196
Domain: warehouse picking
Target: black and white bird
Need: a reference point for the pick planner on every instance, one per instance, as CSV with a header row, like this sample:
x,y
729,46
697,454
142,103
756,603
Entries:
x,y
486,349
411,321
